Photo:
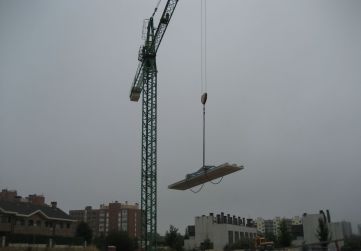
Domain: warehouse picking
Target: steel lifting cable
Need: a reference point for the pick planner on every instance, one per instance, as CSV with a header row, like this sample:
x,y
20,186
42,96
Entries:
x,y
205,44
197,191
203,32
203,80
156,8
204,68
203,60
217,182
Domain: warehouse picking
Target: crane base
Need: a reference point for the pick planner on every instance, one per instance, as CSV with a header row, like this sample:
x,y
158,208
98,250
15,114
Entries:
x,y
205,174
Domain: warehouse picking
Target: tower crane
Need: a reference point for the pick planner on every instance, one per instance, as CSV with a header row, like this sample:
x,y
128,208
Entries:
x,y
145,81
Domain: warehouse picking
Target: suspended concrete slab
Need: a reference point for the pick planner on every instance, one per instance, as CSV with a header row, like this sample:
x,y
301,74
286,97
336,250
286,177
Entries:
x,y
206,174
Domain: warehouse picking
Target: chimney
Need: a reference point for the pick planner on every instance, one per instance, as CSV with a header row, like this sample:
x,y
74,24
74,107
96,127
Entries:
x,y
53,204
323,215
328,216
218,219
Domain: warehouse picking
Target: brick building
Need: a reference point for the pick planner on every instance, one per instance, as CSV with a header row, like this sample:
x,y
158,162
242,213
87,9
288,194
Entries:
x,y
31,216
115,216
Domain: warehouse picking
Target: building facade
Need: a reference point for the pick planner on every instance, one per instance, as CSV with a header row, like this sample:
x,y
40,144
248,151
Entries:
x,y
272,227
109,218
26,218
338,231
220,230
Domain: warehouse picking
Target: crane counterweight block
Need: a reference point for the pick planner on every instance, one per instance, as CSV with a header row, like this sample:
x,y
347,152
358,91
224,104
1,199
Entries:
x,y
135,94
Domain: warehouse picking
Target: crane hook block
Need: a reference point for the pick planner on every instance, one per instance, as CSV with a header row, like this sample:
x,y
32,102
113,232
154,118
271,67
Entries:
x,y
204,98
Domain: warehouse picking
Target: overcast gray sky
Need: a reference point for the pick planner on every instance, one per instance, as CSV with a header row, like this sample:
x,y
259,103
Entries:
x,y
284,86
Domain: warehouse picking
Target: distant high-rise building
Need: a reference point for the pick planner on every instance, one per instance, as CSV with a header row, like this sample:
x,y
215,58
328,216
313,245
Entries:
x,y
346,228
272,227
12,196
359,229
9,195
109,218
36,199
297,220
260,223
268,227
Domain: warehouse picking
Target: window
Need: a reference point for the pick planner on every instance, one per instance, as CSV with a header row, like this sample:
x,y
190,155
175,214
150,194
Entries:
x,y
5,219
68,225
38,223
236,236
124,220
230,237
30,223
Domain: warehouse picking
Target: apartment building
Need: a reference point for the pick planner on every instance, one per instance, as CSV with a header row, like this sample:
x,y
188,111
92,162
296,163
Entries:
x,y
115,216
272,226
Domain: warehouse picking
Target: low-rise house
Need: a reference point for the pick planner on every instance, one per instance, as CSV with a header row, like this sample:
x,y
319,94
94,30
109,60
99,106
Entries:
x,y
17,217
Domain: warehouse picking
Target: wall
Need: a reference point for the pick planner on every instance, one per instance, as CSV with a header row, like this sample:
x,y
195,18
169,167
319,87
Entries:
x,y
206,227
310,225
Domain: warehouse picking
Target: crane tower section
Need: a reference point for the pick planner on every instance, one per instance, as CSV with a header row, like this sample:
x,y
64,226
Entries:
x,y
145,81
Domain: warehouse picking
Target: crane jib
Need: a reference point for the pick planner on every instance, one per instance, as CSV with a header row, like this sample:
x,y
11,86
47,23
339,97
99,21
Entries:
x,y
137,85
163,22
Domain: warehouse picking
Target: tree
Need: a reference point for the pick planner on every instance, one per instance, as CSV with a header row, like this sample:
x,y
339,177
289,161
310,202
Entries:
x,y
84,231
323,233
121,241
284,237
206,244
352,243
174,239
270,237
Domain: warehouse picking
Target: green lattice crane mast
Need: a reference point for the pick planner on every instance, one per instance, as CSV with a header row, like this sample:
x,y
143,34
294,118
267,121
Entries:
x,y
146,80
